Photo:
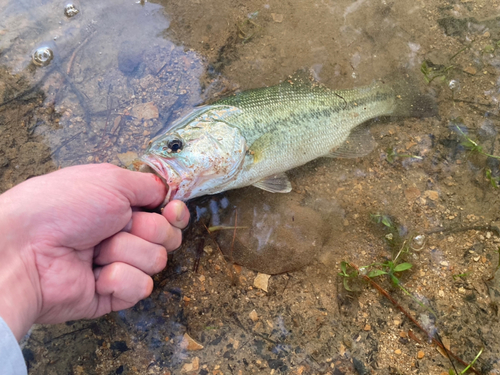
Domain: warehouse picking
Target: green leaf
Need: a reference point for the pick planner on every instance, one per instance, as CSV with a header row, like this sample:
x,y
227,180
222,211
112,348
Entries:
x,y
343,266
347,286
386,221
394,280
488,49
376,273
403,267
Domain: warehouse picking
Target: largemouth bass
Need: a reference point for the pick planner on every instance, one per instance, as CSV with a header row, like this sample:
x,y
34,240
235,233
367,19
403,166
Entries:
x,y
253,137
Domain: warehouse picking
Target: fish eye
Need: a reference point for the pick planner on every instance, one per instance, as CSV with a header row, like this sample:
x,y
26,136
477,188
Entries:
x,y
174,145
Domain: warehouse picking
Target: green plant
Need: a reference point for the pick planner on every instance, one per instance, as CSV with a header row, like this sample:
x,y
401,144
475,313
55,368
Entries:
x,y
392,155
471,145
344,267
432,71
489,49
248,28
494,180
382,219
453,372
462,275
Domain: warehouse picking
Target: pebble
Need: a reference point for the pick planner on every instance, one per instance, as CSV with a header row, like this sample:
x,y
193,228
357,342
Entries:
x,y
397,351
190,344
278,18
253,315
445,263
461,290
432,195
261,281
193,366
420,354
145,111
470,70
367,327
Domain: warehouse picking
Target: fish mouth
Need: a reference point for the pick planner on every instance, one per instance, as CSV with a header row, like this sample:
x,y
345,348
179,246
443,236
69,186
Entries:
x,y
166,173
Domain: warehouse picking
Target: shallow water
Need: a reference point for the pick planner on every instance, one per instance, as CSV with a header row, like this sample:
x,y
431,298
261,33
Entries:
x,y
121,72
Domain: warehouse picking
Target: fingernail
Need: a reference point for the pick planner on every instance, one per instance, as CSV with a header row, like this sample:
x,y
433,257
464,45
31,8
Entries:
x,y
180,212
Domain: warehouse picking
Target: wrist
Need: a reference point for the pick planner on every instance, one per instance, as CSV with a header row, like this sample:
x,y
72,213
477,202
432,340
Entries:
x,y
19,304
20,300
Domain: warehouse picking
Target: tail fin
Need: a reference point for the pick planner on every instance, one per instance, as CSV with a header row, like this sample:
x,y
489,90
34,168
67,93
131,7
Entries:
x,y
411,101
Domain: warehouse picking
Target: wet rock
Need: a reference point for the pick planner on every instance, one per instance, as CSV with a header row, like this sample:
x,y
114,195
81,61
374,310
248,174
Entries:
x,y
277,17
261,281
145,111
412,193
190,344
253,315
454,26
432,195
129,58
193,366
281,234
127,157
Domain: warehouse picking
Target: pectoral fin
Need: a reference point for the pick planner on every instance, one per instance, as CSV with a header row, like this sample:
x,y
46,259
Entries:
x,y
359,143
277,183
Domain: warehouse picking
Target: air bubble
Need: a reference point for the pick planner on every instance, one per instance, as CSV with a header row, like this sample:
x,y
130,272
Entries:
x,y
71,10
454,85
42,56
418,242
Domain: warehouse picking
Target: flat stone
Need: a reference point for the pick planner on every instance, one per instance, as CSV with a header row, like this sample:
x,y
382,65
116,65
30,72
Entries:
x,y
412,193
190,344
279,233
145,111
432,195
261,281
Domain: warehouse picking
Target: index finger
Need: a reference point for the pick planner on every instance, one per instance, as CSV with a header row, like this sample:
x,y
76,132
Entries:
x,y
141,189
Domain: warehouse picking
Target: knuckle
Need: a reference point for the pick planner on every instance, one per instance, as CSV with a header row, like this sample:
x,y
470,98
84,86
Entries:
x,y
156,227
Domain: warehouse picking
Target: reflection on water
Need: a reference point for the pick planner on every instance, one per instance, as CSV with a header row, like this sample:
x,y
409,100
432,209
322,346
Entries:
x,y
122,71
112,81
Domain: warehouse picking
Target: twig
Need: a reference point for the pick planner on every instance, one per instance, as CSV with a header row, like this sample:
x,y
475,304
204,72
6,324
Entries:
x,y
70,139
234,236
199,251
412,319
491,228
72,58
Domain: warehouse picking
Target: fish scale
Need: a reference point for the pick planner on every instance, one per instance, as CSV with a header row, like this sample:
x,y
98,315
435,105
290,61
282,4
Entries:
x,y
307,122
251,138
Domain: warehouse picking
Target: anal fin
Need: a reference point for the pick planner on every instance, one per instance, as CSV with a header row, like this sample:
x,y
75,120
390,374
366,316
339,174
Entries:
x,y
278,183
359,143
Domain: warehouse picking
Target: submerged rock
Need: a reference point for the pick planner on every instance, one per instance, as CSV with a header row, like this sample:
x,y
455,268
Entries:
x,y
130,57
280,232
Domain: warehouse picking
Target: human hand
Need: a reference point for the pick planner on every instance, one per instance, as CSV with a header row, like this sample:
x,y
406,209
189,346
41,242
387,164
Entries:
x,y
74,245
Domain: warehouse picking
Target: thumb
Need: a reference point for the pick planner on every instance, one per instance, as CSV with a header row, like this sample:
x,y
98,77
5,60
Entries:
x,y
141,189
